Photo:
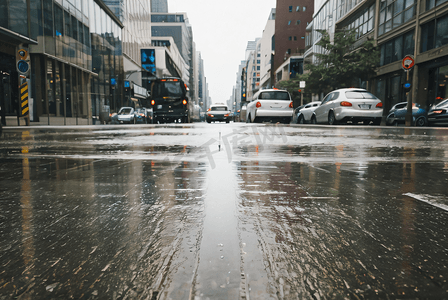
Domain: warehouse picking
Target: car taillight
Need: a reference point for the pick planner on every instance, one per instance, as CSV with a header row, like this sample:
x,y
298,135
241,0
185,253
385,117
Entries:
x,y
142,115
437,111
210,115
226,115
290,105
184,102
379,105
258,105
153,102
345,103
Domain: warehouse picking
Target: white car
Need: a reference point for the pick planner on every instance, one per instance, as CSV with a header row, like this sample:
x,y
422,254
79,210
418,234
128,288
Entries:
x,y
304,114
270,105
218,113
354,105
126,115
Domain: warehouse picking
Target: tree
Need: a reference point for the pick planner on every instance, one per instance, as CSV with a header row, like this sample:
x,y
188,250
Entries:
x,y
340,65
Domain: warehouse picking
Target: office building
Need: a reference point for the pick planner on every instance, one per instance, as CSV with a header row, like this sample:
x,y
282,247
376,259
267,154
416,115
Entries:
x,y
74,53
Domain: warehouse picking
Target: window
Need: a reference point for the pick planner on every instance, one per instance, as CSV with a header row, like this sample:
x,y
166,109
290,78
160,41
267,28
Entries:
x,y
274,95
290,9
428,36
304,8
394,13
442,32
431,3
435,34
68,30
298,22
326,99
74,28
298,8
289,22
288,51
364,22
290,38
58,21
397,48
359,95
295,38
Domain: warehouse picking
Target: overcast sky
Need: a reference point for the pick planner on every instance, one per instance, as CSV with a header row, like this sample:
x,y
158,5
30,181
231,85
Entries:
x,y
221,30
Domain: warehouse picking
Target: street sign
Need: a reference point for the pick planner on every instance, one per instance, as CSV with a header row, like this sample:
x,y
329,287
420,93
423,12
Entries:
x,y
23,67
23,54
24,99
408,62
302,84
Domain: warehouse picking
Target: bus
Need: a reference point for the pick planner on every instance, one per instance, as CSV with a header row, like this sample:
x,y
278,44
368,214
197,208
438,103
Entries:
x,y
169,100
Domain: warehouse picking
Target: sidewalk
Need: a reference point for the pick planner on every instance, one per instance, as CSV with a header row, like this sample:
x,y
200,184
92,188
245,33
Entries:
x,y
51,121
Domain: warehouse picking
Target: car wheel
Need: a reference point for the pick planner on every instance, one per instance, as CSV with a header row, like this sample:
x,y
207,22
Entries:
x,y
301,120
420,122
313,120
248,119
331,118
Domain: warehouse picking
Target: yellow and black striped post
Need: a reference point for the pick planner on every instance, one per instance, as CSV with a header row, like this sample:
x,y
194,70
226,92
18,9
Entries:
x,y
24,99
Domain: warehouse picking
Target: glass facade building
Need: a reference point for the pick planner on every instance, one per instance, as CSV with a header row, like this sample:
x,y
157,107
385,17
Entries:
x,y
75,54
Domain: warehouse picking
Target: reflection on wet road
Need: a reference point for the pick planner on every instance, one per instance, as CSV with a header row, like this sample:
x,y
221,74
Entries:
x,y
223,211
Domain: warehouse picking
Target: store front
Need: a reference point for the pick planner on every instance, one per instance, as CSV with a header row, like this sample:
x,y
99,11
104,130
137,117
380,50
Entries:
x,y
61,91
438,80
389,89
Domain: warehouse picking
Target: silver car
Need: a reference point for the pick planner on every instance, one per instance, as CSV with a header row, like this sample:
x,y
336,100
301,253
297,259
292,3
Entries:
x,y
304,114
270,105
349,105
126,115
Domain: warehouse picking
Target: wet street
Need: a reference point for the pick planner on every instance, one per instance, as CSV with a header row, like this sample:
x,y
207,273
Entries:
x,y
223,211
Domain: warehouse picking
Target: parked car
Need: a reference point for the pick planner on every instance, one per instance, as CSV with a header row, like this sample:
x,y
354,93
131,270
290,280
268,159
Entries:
x,y
349,105
126,115
270,105
140,116
295,113
243,113
303,114
438,114
218,113
397,114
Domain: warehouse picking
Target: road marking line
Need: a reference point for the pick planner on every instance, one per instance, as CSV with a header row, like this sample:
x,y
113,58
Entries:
x,y
427,199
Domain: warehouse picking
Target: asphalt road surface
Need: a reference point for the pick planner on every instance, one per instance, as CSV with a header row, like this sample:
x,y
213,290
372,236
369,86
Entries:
x,y
223,211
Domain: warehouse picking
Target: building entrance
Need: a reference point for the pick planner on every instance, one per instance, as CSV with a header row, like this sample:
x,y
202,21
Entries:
x,y
8,87
389,91
437,85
